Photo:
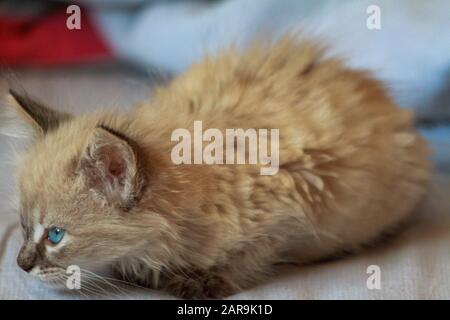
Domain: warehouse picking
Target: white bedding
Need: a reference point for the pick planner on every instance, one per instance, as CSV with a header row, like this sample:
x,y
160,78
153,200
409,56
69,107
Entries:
x,y
414,265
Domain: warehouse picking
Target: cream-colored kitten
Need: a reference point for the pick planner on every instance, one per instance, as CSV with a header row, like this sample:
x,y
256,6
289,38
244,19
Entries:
x,y
101,189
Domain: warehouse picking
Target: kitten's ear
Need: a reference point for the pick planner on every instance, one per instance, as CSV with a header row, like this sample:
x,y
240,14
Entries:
x,y
109,166
23,117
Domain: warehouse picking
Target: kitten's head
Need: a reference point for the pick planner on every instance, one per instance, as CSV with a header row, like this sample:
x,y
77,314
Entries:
x,y
79,183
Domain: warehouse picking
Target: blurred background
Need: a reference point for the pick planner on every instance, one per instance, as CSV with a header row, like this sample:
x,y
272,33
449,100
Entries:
x,y
84,54
110,52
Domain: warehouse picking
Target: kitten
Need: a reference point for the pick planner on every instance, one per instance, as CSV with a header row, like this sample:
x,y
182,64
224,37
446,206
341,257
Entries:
x,y
101,189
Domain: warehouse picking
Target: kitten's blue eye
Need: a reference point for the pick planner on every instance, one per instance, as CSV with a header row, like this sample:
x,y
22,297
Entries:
x,y
55,235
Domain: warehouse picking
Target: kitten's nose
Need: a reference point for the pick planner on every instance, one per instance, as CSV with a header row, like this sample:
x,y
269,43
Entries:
x,y
26,259
25,266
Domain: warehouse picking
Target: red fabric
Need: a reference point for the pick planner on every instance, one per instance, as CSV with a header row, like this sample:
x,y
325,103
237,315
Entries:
x,y
46,41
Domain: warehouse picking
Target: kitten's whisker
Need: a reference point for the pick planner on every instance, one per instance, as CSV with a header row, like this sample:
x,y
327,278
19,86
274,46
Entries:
x,y
93,276
117,280
90,283
88,290
91,289
63,282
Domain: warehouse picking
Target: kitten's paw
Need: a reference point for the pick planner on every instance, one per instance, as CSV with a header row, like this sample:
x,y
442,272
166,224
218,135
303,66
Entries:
x,y
203,287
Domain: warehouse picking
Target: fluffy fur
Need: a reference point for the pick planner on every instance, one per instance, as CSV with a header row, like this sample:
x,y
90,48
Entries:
x,y
351,167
